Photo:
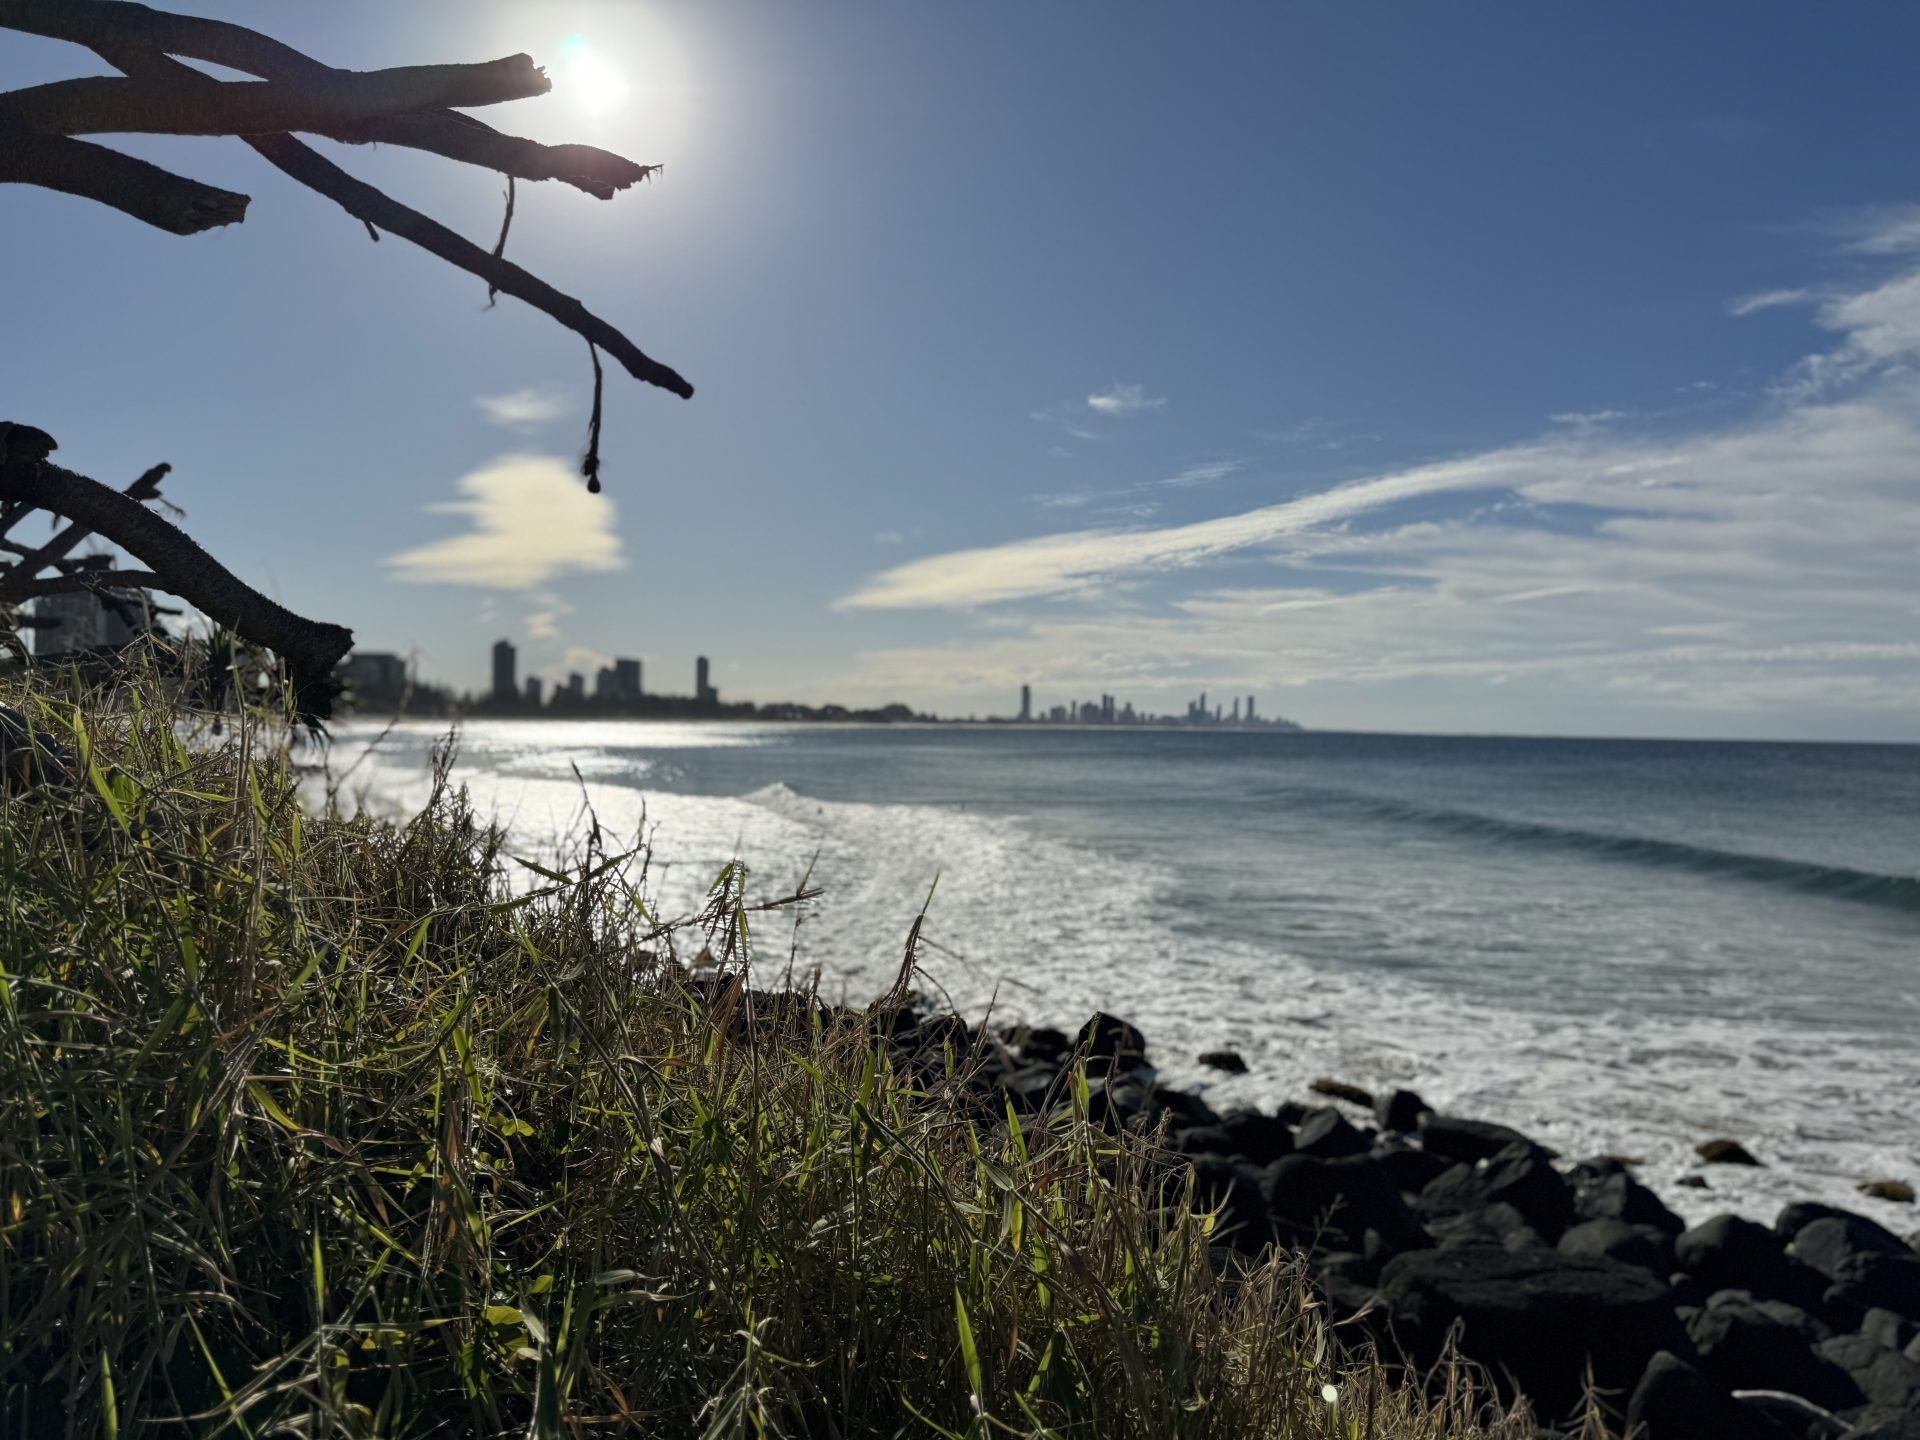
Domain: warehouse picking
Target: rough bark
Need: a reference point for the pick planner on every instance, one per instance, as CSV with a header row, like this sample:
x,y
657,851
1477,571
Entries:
x,y
164,200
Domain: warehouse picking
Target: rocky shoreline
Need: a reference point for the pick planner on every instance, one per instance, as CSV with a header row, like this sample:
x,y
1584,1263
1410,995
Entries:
x,y
1420,1227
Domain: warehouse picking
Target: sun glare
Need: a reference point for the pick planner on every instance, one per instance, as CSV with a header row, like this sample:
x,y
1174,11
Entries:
x,y
589,79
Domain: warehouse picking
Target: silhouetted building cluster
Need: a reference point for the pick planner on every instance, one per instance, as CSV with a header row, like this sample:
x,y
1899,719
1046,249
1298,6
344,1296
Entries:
x,y
1109,711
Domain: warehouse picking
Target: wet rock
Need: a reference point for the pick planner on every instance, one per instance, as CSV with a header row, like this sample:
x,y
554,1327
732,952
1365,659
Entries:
x,y
1824,1242
1399,1110
1261,1138
1519,1175
1032,1087
1891,1330
1467,1140
1325,1132
1535,1316
1341,1090
1412,1169
1795,1217
1619,1196
1868,1280
1745,1346
1885,1377
1045,1046
1725,1152
1201,1139
1227,1062
1186,1108
1640,1245
1498,1224
1110,1037
1674,1401
1731,1253
1344,1198
1877,1422
1791,1415
1897,1191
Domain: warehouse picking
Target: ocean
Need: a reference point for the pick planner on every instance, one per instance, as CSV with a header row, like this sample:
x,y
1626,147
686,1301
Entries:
x,y
1618,946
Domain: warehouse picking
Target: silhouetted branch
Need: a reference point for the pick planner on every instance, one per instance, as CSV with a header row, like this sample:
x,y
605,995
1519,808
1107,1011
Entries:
x,y
311,648
33,561
164,104
167,201
82,581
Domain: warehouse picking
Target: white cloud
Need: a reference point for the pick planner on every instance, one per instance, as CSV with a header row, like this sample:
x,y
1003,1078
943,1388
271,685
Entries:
x,y
1767,300
543,622
1585,422
1124,400
526,409
1205,474
1883,230
585,661
530,518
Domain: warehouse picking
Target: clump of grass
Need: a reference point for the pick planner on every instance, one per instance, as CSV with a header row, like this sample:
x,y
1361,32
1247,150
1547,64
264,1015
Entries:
x,y
314,1125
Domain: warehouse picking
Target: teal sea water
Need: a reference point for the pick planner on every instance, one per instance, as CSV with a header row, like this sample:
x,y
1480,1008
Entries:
x,y
1622,946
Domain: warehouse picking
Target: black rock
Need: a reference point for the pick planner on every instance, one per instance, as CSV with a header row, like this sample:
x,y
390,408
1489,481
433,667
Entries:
x,y
1110,1037
1809,1327
1869,1280
1399,1110
1732,1253
1030,1087
1535,1316
1227,1061
1619,1196
1519,1175
1640,1245
1687,1290
1233,1189
1877,1422
1823,1243
1341,1198
1201,1139
1261,1138
1744,1347
1465,1139
1674,1401
1045,1046
1887,1328
1116,1102
1347,1280
1186,1107
1341,1090
1913,1350
1724,1152
1412,1170
1497,1224
1795,1217
1884,1377
1325,1132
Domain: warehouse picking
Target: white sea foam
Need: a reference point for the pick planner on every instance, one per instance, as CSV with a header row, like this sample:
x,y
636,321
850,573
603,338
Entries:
x,y
1047,931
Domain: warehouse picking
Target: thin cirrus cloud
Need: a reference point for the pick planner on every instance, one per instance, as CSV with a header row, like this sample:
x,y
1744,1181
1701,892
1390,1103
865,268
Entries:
x,y
1755,566
1120,400
529,519
525,409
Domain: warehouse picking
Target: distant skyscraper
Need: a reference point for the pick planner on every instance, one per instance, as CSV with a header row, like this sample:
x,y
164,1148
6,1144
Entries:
x,y
702,691
577,687
604,683
1236,709
533,691
626,679
1249,708
504,686
1026,702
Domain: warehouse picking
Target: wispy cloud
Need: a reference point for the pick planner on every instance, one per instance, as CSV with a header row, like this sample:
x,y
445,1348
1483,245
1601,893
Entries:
x,y
888,537
529,518
1192,477
1124,400
1585,422
526,409
543,621
1767,300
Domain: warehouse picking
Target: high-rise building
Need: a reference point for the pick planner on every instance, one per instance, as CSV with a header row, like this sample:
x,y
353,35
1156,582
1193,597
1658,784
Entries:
x,y
1236,709
702,691
626,679
1249,709
1026,702
376,678
576,688
88,623
533,691
603,683
504,686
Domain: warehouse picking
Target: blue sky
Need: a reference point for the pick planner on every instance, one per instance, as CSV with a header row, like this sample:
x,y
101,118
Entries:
x,y
1494,367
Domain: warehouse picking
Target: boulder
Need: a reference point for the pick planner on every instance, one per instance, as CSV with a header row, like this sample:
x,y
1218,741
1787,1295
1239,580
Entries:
x,y
1885,1327
1745,1347
1227,1062
1325,1132
1110,1037
1912,1351
1869,1280
1520,1176
1412,1169
1341,1199
1885,1377
1899,1192
1731,1253
1619,1196
1534,1316
1261,1138
1724,1152
1186,1107
1827,1240
1200,1140
1497,1224
1399,1110
1640,1245
1467,1140
1232,1188
1045,1046
1341,1090
1795,1217
1674,1401
1877,1422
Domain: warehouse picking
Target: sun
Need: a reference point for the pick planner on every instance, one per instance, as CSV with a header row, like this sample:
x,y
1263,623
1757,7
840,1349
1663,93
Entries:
x,y
589,78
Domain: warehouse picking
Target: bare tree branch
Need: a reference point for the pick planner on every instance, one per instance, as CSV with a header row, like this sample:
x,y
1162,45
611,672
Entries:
x,y
60,546
84,580
311,648
112,30
167,201
155,104
364,202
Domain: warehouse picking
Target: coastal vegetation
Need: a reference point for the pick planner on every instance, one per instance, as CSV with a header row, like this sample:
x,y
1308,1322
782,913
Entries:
x,y
328,1125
